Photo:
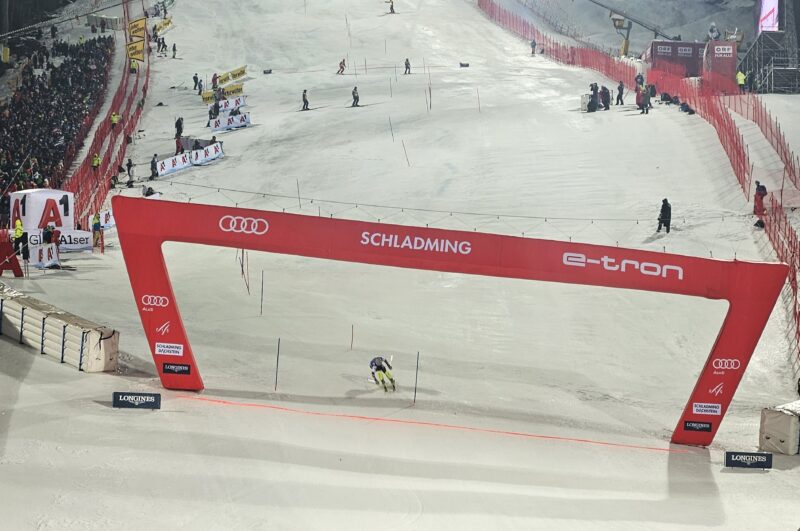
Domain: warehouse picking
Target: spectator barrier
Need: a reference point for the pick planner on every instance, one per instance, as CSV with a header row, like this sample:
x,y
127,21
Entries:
x,y
751,107
91,185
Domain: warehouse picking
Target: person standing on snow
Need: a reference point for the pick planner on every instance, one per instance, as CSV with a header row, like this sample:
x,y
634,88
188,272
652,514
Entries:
x,y
665,216
174,50
620,92
154,166
342,66
195,79
533,47
380,366
605,97
355,97
758,199
639,79
645,101
408,67
305,101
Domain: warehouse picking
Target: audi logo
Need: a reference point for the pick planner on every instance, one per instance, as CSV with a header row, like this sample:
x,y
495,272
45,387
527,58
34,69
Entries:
x,y
727,364
243,225
155,300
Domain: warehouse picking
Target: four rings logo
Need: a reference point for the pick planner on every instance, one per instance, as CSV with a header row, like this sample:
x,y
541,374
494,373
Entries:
x,y
727,364
243,225
155,301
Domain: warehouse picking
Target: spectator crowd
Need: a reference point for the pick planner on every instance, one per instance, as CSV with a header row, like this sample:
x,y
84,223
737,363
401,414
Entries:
x,y
40,123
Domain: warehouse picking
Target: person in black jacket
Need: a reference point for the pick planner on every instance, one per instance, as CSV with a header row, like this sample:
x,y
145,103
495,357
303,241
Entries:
x,y
665,215
605,97
620,92
154,167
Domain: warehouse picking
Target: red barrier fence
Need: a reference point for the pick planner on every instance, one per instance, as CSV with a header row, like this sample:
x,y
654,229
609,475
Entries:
x,y
751,107
710,97
90,185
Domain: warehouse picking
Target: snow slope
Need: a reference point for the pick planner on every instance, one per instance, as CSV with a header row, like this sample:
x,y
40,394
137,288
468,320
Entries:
x,y
540,406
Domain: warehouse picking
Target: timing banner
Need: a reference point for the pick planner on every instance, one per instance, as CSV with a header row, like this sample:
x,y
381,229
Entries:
x,y
136,51
750,288
230,122
137,28
165,25
173,164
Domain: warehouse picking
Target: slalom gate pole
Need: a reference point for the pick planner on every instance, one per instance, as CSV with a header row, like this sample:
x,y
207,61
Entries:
x,y
416,377
277,363
262,293
352,335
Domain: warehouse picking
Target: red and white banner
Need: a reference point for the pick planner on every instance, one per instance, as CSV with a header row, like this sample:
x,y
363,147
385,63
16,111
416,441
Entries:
x,y
750,288
42,207
207,154
43,256
230,122
107,219
230,104
173,164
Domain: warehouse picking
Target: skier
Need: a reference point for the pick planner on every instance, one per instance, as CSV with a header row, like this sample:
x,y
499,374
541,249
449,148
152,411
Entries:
x,y
129,165
174,50
342,66
195,79
391,7
533,47
408,67
355,97
620,92
379,365
305,101
665,215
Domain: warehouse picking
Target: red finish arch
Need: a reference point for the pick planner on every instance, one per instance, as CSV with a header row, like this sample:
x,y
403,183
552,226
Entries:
x,y
750,288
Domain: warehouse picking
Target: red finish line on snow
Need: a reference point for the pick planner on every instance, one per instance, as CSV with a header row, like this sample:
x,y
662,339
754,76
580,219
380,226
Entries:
x,y
428,424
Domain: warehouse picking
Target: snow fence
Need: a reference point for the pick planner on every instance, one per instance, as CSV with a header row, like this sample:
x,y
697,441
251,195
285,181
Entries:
x,y
70,339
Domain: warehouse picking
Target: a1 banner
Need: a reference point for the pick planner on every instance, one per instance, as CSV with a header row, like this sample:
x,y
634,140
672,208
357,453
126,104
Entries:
x,y
44,256
107,219
42,207
207,154
230,122
173,164
230,104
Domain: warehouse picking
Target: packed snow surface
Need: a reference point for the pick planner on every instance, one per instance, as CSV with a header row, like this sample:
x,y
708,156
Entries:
x,y
539,406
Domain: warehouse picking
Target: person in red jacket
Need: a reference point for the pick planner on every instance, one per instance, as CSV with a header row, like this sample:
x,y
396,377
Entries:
x,y
758,199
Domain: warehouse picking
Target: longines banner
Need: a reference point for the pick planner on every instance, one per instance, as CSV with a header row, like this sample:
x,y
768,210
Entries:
x,y
750,288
